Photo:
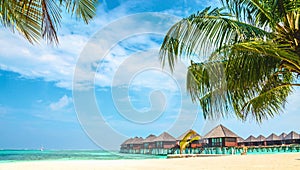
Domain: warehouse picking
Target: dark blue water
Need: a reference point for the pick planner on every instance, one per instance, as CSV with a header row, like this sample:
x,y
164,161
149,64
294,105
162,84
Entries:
x,y
35,155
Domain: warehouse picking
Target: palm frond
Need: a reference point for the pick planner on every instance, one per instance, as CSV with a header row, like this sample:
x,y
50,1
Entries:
x,y
85,9
245,10
243,81
270,51
36,19
206,83
50,20
203,33
23,16
267,103
249,52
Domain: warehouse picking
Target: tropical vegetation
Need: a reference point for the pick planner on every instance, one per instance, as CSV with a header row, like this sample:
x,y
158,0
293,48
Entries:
x,y
245,56
37,19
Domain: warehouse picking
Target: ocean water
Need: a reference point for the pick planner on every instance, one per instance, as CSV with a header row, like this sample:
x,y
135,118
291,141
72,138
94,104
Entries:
x,y
36,155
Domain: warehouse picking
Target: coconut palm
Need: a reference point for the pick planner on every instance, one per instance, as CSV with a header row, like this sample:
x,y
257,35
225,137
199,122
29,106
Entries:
x,y
36,19
245,56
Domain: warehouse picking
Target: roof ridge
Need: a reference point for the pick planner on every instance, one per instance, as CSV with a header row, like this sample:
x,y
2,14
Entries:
x,y
222,127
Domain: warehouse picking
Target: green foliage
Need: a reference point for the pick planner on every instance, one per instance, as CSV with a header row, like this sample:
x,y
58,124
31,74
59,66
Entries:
x,y
36,19
250,56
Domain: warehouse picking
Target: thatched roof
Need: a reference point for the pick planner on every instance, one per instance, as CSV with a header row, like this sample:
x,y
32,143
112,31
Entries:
x,y
164,137
239,139
273,137
219,132
185,133
149,139
282,136
136,140
128,141
261,138
292,135
250,139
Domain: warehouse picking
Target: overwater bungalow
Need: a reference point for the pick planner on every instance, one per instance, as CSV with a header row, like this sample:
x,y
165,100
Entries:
x,y
163,143
255,141
282,137
261,141
195,143
273,139
250,141
135,145
220,140
292,138
148,144
125,146
240,141
221,136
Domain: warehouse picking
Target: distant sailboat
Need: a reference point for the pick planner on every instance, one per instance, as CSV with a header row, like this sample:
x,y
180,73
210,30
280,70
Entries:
x,y
42,148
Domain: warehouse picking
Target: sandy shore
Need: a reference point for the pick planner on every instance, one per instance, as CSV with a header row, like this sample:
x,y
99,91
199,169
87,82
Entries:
x,y
236,162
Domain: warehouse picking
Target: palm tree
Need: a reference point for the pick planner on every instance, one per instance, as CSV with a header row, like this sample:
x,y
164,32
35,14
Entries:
x,y
36,19
245,56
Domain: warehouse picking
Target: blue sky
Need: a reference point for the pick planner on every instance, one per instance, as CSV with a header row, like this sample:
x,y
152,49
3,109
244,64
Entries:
x,y
45,89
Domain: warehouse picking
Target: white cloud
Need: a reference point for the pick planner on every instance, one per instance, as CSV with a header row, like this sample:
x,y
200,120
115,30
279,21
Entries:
x,y
121,55
63,102
57,64
45,61
39,61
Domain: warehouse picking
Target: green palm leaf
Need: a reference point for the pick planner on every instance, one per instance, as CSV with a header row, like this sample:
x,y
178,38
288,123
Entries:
x,y
250,56
203,33
36,19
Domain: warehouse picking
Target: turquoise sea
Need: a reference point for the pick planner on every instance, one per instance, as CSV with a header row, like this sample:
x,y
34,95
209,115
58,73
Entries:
x,y
36,155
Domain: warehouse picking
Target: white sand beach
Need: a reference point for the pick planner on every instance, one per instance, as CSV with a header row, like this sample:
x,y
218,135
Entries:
x,y
235,162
